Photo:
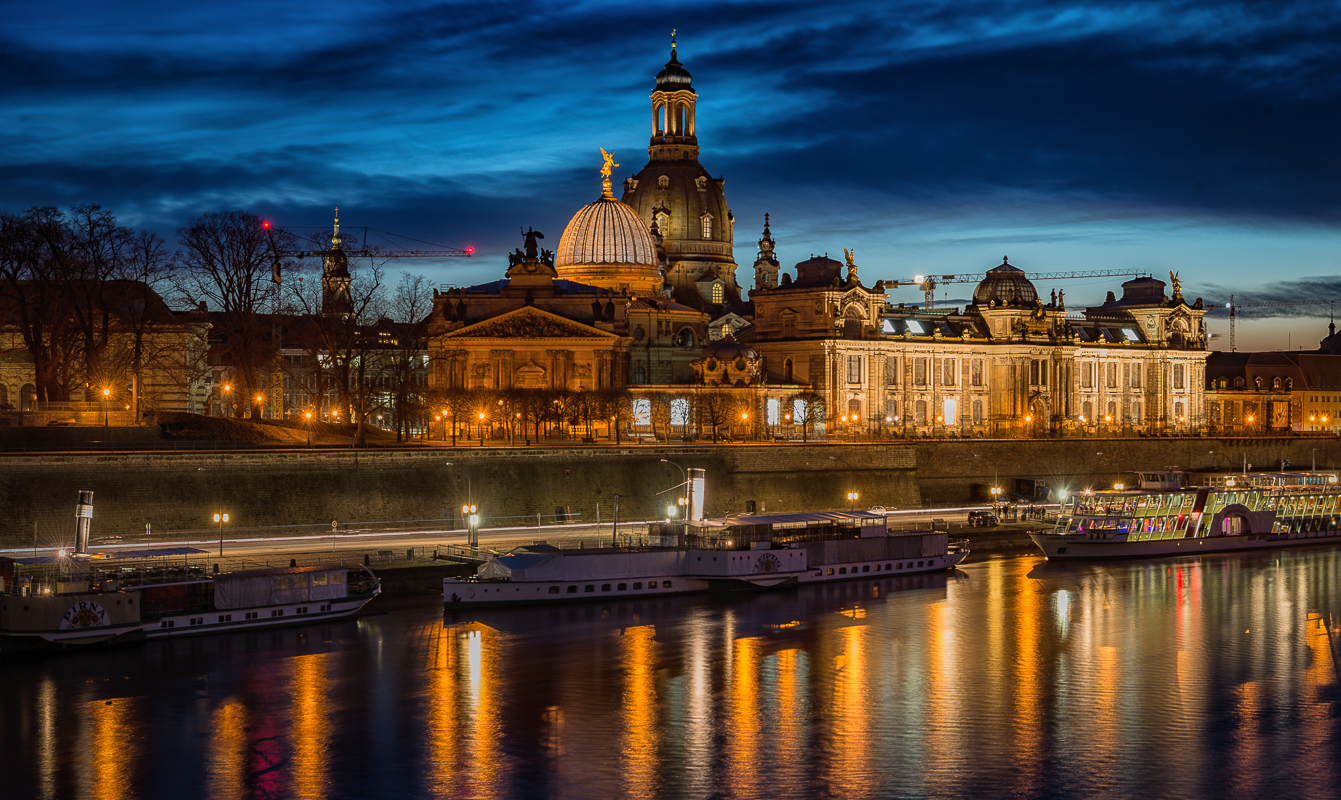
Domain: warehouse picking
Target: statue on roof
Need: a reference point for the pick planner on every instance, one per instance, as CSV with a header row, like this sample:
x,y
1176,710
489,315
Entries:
x,y
531,247
608,165
1177,286
850,256
1061,299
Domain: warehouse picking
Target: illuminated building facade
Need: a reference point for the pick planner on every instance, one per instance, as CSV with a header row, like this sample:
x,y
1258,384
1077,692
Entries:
x,y
1008,364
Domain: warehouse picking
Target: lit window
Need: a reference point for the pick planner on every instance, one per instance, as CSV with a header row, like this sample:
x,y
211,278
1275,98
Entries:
x,y
916,327
1131,335
887,327
716,291
707,226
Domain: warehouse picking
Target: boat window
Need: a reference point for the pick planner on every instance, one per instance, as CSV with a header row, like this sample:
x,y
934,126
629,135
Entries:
x,y
337,577
553,590
665,584
651,584
638,585
830,570
842,570
318,579
281,581
866,568
572,590
888,567
623,587
591,587
605,587
919,563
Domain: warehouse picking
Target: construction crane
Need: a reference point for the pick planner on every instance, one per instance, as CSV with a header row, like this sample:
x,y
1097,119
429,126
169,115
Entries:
x,y
1234,309
928,283
363,251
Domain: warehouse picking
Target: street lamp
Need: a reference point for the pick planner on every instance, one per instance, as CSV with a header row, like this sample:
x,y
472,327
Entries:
x,y
996,501
481,429
685,484
106,417
220,519
259,407
468,513
851,500
309,429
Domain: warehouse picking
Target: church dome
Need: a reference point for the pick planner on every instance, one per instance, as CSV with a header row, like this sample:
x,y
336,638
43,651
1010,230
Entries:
x,y
674,77
607,244
729,349
1005,286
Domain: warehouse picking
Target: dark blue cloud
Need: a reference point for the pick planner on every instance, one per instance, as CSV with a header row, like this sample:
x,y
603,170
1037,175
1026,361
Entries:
x,y
931,136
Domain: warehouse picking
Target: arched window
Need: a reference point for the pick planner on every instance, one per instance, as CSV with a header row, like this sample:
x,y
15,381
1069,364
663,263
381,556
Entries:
x,y
640,374
1289,384
1275,383
717,293
1178,412
787,369
685,338
707,226
1238,383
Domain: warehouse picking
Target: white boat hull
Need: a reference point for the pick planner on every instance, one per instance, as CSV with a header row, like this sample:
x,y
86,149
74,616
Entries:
x,y
462,593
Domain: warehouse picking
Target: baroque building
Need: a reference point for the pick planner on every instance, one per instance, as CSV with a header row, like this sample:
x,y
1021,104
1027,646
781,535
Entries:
x,y
681,204
590,318
1008,364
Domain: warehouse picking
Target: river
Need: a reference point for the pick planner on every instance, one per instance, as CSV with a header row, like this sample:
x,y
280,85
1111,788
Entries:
x,y
1211,676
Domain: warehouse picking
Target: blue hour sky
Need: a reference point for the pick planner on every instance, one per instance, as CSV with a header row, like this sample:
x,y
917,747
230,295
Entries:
x,y
931,137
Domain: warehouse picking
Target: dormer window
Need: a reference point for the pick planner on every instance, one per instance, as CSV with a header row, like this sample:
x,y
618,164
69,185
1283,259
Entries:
x,y
717,294
707,226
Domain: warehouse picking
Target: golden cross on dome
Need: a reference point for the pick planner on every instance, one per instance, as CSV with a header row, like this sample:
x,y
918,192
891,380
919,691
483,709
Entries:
x,y
672,38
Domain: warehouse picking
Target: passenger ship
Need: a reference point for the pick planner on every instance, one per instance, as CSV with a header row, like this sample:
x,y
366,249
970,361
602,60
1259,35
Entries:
x,y
85,598
745,552
151,594
1169,515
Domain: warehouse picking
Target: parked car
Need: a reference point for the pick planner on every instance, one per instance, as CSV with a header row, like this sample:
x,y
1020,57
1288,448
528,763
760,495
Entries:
x,y
877,510
982,519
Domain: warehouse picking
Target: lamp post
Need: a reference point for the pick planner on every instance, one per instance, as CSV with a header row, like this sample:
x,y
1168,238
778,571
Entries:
x,y
996,501
852,501
309,428
106,416
481,429
472,519
259,407
683,474
220,519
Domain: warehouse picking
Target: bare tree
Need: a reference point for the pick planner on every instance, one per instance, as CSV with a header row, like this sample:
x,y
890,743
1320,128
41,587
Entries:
x,y
411,307
227,262
807,409
341,331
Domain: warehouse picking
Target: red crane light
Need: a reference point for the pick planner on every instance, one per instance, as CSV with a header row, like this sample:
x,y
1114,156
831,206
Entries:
x,y
265,224
470,251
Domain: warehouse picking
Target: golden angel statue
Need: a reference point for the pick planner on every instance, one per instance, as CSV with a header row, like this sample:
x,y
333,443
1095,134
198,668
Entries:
x,y
609,163
1177,285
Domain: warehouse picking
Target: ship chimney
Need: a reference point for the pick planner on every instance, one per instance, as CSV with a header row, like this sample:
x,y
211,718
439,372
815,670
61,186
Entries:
x,y
83,521
697,478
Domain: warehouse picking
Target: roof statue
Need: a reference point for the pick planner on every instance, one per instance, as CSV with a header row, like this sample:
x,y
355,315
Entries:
x,y
1177,286
609,164
531,236
850,256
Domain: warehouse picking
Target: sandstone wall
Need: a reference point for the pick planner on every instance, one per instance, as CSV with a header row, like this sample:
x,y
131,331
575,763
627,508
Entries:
x,y
181,491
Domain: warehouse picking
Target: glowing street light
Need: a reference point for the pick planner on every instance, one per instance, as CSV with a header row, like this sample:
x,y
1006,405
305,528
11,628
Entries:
x,y
852,500
219,520
106,416
309,429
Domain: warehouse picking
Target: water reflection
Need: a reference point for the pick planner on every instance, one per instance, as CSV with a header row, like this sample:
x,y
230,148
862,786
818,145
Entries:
x,y
1204,677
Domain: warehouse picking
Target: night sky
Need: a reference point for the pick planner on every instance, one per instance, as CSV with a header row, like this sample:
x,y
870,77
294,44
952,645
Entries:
x,y
932,137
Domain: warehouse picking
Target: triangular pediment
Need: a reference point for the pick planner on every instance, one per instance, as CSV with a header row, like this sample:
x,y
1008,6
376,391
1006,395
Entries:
x,y
530,323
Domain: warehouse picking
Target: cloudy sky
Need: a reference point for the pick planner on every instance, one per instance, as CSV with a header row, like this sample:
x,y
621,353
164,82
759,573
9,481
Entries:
x,y
932,137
